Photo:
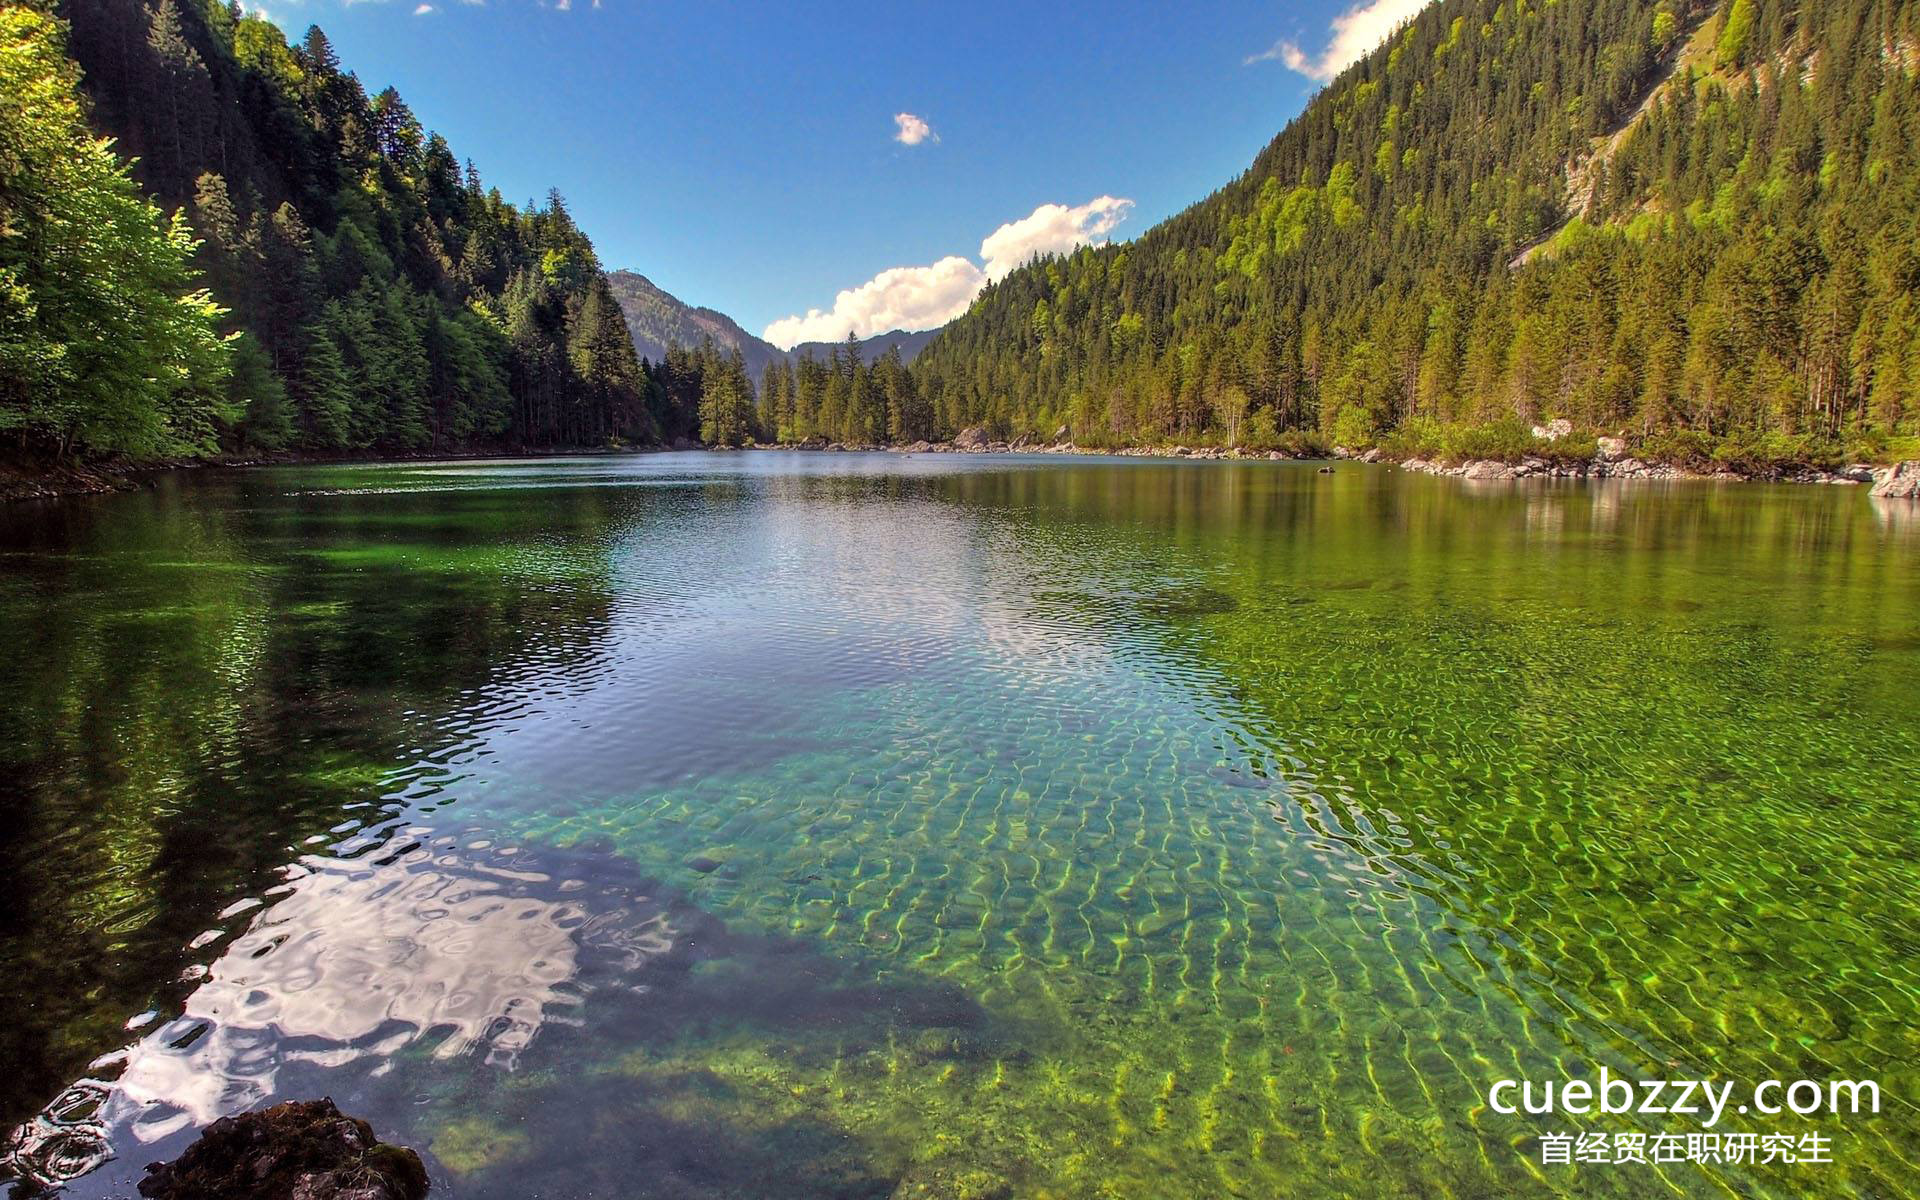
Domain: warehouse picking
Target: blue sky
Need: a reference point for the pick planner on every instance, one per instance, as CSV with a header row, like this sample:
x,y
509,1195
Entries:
x,y
763,159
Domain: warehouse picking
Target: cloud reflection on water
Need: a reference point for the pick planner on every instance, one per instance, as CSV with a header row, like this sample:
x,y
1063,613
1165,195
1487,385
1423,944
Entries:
x,y
449,941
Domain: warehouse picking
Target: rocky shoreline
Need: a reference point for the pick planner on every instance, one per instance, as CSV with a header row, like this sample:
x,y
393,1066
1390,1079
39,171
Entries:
x,y
1612,460
46,482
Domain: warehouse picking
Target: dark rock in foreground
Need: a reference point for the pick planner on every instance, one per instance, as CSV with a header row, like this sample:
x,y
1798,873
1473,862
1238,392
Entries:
x,y
300,1150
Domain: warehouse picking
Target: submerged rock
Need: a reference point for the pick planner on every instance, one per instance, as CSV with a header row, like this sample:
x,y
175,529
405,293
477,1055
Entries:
x,y
1900,483
300,1150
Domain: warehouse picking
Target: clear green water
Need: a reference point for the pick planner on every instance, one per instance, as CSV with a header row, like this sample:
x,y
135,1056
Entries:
x,y
802,826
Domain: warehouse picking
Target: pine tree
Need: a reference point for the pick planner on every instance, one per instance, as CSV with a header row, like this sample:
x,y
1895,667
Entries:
x,y
182,72
255,390
325,394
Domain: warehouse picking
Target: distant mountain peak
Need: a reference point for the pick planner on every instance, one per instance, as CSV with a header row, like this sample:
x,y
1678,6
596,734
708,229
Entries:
x,y
658,320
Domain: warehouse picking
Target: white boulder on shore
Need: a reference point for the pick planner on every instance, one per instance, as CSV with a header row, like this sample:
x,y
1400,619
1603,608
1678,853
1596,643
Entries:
x,y
1901,482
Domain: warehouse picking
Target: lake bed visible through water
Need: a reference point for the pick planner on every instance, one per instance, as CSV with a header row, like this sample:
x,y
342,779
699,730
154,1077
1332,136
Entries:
x,y
870,825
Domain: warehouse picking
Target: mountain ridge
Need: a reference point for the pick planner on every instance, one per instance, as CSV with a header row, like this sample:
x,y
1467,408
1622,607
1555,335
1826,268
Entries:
x,y
660,320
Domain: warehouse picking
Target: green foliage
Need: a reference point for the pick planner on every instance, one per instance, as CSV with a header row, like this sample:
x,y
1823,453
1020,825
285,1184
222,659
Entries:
x,y
1573,448
1261,433
1731,50
1688,448
1505,440
1301,443
326,392
105,342
255,391
725,403
1754,453
1666,27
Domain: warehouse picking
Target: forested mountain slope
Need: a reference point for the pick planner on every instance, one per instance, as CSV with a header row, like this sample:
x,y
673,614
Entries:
x,y
1697,224
385,298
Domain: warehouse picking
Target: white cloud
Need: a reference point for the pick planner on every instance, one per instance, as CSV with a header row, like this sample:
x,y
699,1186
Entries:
x,y
1050,229
423,10
896,298
913,130
928,297
1352,34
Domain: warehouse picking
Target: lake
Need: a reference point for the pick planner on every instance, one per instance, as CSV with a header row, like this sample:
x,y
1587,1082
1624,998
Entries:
x,y
865,825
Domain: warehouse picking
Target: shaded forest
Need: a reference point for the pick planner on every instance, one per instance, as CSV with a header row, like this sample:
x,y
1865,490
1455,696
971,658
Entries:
x,y
373,294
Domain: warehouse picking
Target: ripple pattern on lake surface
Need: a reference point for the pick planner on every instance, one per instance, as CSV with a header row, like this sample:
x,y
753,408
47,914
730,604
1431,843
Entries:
x,y
771,825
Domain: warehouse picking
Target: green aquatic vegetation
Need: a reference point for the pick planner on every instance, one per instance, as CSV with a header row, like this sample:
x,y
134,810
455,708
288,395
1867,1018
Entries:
x,y
468,1145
